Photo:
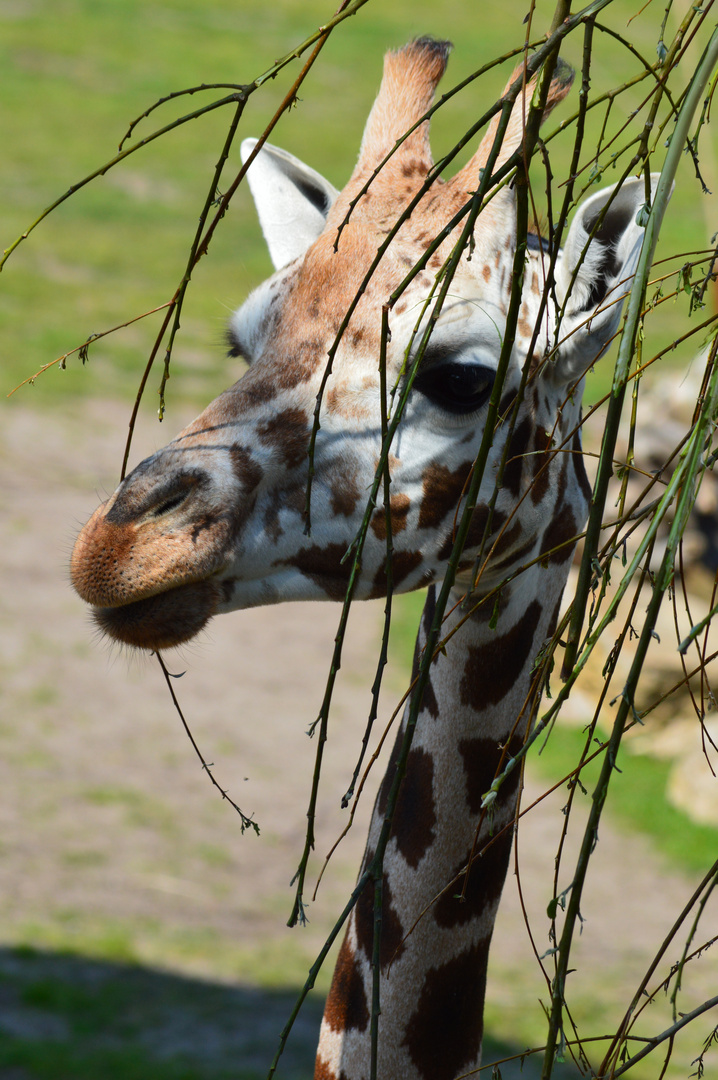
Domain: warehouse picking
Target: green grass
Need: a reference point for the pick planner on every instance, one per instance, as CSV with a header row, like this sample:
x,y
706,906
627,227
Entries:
x,y
75,73
278,962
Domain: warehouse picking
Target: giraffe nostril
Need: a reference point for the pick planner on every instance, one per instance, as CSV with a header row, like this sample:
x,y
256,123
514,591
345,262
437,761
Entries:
x,y
172,502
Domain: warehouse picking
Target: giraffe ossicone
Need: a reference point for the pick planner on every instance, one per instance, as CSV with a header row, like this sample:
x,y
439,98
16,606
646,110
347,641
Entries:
x,y
215,520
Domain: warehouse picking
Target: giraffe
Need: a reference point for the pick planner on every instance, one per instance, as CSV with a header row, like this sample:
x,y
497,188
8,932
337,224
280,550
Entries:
x,y
215,521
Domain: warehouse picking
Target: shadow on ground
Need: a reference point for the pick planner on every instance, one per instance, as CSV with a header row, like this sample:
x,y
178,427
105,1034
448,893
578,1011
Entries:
x,y
65,1017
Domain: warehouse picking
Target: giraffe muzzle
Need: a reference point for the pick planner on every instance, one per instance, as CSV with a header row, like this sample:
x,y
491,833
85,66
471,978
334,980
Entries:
x,y
152,586
163,621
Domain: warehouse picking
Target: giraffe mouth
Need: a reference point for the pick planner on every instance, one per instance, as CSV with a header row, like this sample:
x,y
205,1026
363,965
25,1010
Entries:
x,y
161,621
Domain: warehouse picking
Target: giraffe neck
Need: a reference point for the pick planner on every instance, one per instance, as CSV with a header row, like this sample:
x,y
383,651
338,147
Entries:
x,y
435,947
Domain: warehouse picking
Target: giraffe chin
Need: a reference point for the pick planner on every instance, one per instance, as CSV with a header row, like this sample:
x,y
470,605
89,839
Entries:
x,y
161,621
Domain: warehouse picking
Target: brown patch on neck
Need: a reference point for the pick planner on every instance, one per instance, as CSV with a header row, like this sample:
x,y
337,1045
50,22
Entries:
x,y
559,537
443,1036
479,520
579,467
403,563
482,760
541,461
495,605
392,935
465,900
323,1071
476,530
415,817
515,459
347,1008
494,668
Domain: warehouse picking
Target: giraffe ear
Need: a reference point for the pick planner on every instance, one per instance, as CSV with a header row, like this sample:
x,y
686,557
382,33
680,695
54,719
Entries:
x,y
292,200
594,298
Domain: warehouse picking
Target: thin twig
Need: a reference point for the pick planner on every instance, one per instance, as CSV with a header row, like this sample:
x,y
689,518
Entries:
x,y
246,821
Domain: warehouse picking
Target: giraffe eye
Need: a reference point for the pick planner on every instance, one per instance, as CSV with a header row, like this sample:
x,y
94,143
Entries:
x,y
458,388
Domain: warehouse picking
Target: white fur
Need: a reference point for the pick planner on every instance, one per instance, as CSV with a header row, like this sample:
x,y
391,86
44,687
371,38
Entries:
x,y
279,183
588,326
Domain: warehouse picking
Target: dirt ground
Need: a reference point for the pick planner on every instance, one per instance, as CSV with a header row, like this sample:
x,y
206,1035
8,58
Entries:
x,y
119,861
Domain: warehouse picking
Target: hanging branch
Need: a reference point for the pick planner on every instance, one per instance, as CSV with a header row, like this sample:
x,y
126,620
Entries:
x,y
623,362
246,821
684,503
82,350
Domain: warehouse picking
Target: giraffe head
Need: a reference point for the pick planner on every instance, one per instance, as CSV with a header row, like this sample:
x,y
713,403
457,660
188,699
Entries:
x,y
216,521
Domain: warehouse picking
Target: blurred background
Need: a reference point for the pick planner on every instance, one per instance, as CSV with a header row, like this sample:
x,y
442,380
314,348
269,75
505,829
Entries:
x,y
140,933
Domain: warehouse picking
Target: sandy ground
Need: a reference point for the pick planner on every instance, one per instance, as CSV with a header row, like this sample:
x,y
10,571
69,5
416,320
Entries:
x,y
114,845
